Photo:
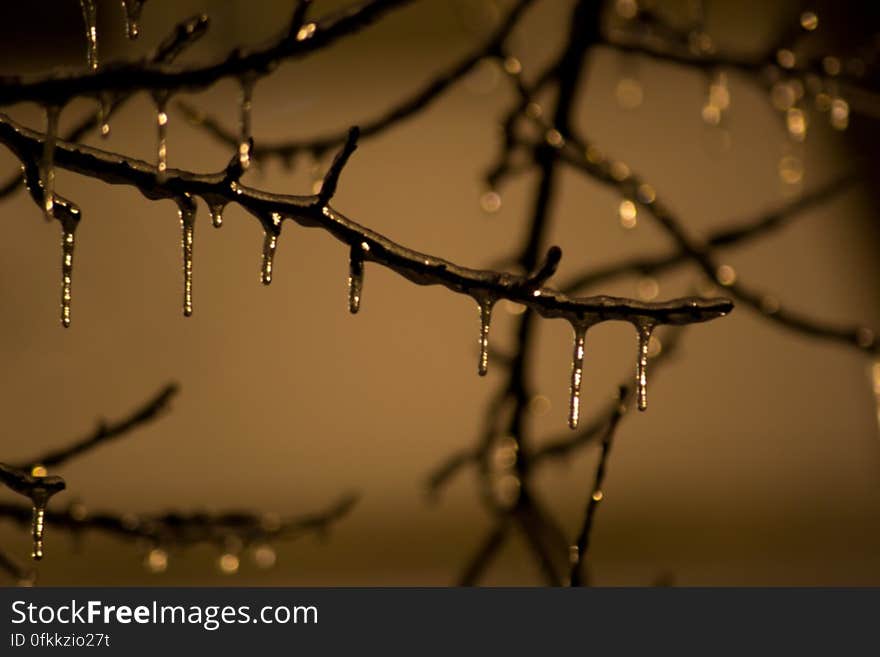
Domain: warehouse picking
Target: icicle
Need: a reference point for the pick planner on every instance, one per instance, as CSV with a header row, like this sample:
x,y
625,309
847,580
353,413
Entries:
x,y
161,99
356,276
217,214
132,9
244,146
104,107
644,328
90,19
485,304
187,212
38,523
577,371
47,162
67,246
270,244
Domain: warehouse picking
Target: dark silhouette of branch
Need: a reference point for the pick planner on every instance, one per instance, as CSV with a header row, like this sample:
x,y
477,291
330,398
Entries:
x,y
57,89
105,432
187,528
582,543
182,37
15,571
401,111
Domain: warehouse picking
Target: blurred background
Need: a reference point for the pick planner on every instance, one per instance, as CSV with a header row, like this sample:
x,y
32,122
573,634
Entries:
x,y
757,462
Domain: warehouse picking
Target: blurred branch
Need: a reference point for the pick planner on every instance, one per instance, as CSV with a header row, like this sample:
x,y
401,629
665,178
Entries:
x,y
185,529
401,111
57,89
582,543
106,432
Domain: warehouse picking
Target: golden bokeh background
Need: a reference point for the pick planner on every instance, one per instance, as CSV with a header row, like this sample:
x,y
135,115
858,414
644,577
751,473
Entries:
x,y
757,462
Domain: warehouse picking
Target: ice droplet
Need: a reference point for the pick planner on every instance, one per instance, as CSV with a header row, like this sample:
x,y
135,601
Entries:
x,y
161,100
577,371
105,104
90,19
355,278
485,304
132,9
644,329
47,161
217,214
187,213
244,147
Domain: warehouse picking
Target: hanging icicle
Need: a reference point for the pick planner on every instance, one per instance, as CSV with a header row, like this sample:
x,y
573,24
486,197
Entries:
x,y
244,145
644,329
161,100
187,213
577,371
47,161
270,244
90,19
132,9
485,304
67,245
356,276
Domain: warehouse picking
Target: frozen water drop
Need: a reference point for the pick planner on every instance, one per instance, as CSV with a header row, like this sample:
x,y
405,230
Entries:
x,y
577,371
187,213
355,278
485,304
90,19
217,214
132,9
104,107
644,329
47,161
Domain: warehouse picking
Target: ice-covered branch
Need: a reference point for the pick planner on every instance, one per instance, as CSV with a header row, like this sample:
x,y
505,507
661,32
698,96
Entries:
x,y
38,489
182,37
219,189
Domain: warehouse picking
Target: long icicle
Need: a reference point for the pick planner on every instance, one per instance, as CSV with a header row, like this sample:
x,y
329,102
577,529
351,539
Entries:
x,y
577,372
90,19
244,144
270,244
161,99
187,212
644,329
47,161
355,278
485,305
67,247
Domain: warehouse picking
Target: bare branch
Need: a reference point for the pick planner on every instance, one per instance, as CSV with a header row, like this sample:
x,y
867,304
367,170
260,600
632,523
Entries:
x,y
104,433
57,89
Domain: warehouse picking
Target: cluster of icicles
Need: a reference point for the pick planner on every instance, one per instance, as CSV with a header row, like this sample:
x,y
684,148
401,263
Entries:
x,y
644,329
271,223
